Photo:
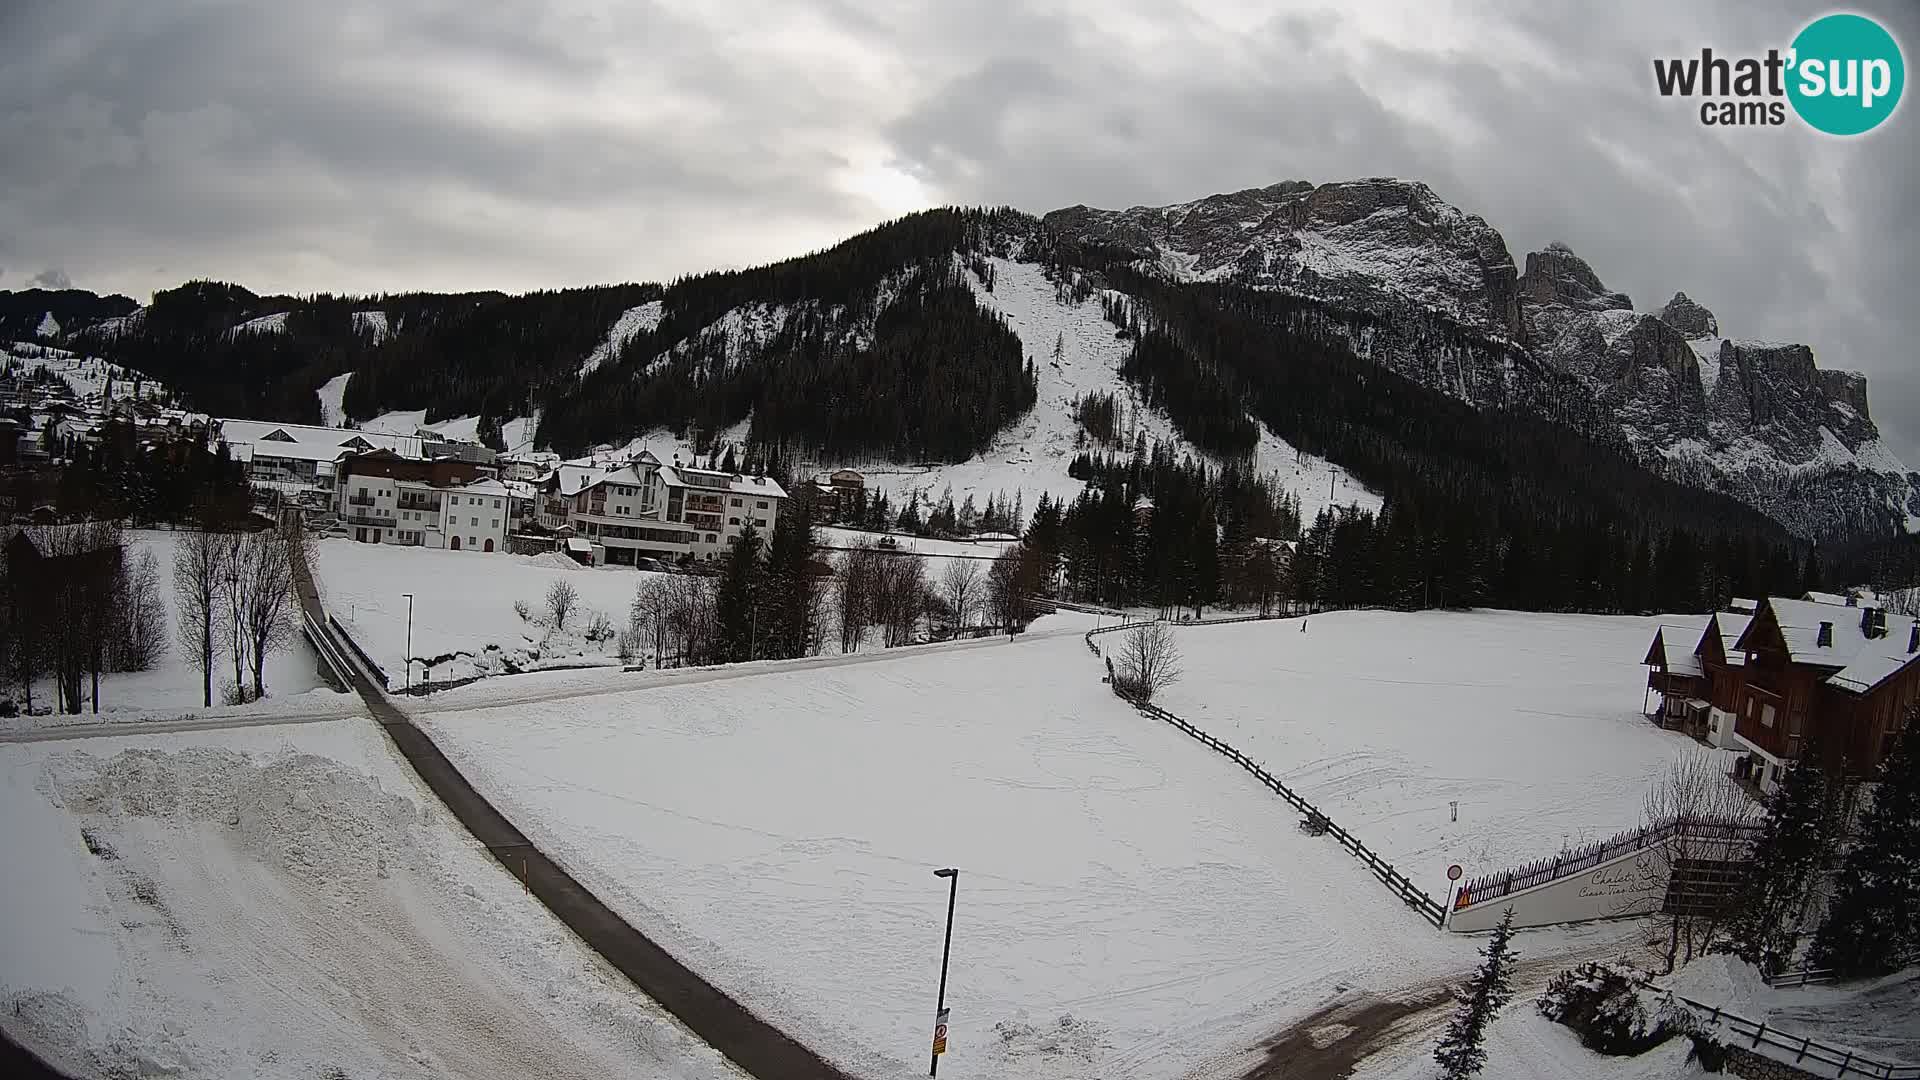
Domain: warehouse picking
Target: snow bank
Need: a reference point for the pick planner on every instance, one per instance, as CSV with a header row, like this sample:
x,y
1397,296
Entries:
x,y
288,903
1129,905
1532,723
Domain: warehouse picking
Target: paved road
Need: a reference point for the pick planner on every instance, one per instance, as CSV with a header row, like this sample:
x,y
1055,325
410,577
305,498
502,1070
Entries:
x,y
756,1046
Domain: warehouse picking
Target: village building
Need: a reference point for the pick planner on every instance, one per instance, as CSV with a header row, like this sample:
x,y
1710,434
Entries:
x,y
644,510
385,498
1770,682
298,463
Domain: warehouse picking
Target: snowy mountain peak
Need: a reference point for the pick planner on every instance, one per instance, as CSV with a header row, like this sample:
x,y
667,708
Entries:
x,y
1373,243
1688,317
1558,276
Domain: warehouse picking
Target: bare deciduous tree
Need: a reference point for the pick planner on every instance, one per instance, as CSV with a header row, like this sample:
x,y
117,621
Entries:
x,y
268,605
900,599
198,559
1149,660
142,614
1697,793
74,603
857,572
961,588
1011,580
562,598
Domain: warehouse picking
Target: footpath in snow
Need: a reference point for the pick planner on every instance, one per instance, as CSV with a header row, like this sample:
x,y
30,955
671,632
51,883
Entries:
x,y
288,902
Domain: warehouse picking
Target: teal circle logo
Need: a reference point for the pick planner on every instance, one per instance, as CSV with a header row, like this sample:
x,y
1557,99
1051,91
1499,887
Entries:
x,y
1846,74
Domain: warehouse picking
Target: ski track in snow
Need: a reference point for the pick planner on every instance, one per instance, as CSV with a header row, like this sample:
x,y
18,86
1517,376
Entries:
x,y
332,393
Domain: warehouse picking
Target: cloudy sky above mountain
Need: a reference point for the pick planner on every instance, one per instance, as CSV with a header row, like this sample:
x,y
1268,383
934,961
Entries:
x,y
371,145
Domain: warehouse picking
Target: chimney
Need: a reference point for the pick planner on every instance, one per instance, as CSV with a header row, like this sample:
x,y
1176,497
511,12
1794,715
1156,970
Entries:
x,y
1825,637
1873,622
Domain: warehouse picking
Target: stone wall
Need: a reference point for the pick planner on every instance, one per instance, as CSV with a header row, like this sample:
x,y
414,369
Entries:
x,y
1744,1062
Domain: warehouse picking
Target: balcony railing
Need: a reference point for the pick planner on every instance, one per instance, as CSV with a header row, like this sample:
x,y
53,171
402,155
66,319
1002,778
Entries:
x,y
360,500
370,519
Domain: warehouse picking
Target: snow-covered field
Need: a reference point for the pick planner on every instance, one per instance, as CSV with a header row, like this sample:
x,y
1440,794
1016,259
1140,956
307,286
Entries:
x,y
463,615
288,902
173,685
1531,722
1129,905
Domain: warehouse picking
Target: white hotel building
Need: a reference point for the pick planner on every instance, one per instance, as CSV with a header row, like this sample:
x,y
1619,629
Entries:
x,y
644,509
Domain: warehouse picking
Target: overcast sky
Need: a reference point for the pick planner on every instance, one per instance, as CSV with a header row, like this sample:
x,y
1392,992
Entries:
x,y
370,145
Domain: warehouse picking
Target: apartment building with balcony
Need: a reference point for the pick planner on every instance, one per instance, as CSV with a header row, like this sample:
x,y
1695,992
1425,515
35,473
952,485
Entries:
x,y
385,498
646,510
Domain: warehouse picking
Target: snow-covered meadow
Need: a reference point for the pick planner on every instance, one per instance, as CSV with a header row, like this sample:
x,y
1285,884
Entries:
x,y
463,614
288,902
1129,905
1531,722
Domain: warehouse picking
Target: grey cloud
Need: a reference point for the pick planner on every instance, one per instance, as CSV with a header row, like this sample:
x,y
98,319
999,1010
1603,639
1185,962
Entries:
x,y
52,278
372,145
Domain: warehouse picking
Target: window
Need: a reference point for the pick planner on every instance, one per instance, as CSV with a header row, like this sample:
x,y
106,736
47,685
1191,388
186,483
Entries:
x,y
760,523
736,502
470,541
496,504
1766,716
496,523
474,522
453,500
761,505
710,538
733,521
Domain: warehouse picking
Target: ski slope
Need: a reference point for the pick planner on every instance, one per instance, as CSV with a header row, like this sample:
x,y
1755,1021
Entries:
x,y
1031,455
333,394
288,902
1530,722
1129,905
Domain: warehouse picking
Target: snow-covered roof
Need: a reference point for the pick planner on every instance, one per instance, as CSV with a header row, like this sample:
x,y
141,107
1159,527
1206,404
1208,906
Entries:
x,y
1863,662
488,486
579,544
293,451
707,479
1676,643
1731,625
572,478
1824,598
280,436
1743,606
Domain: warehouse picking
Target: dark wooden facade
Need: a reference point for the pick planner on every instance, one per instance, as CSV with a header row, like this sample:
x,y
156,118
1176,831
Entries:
x,y
1785,700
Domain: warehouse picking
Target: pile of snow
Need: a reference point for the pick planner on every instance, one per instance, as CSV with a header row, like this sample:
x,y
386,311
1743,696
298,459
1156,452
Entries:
x,y
463,617
1531,722
1128,903
288,902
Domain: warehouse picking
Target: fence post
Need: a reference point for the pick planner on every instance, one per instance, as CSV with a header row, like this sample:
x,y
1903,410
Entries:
x,y
1759,1031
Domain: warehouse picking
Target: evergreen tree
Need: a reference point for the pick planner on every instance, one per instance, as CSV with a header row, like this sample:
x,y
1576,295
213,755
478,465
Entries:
x,y
1873,920
1462,1051
734,602
791,593
1800,831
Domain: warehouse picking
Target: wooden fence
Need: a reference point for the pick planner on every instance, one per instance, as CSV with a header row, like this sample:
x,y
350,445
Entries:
x,y
1577,860
1412,895
1804,1050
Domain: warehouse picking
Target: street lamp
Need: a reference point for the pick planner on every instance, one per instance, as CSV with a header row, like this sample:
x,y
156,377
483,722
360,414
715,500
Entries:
x,y
409,597
940,1010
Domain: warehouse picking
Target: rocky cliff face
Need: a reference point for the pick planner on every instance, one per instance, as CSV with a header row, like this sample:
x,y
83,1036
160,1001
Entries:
x,y
1757,420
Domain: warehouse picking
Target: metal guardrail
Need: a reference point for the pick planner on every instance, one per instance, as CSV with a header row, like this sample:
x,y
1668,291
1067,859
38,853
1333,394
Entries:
x,y
1804,1049
373,669
1412,895
328,650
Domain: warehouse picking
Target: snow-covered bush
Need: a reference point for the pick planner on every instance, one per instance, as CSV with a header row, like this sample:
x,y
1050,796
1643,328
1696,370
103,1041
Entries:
x,y
599,627
1611,1009
520,608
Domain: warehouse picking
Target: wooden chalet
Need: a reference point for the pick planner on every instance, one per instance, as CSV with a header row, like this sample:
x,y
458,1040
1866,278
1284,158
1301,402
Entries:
x,y
1847,672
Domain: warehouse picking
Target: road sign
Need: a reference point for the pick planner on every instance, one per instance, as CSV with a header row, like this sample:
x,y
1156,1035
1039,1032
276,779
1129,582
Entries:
x,y
940,1033
1453,872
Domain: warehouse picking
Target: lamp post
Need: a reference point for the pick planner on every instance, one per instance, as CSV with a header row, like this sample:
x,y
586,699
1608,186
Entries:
x,y
940,1009
409,597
